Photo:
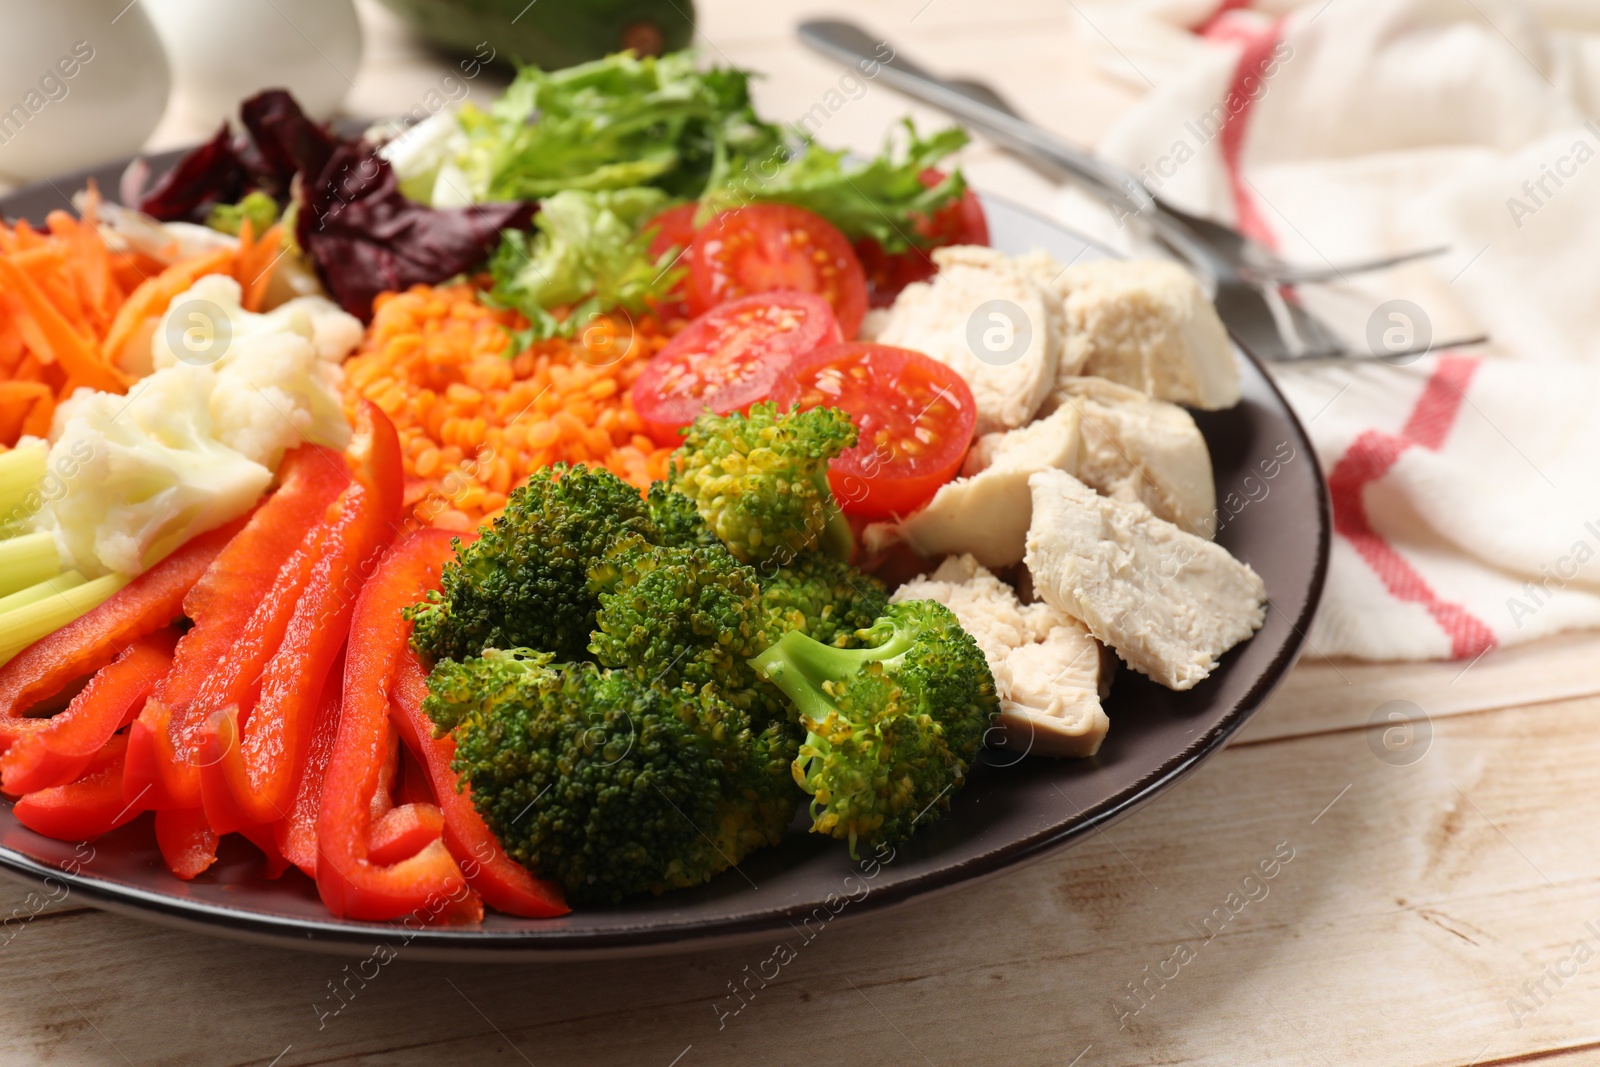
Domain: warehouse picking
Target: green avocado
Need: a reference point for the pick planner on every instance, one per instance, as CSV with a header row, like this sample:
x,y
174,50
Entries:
x,y
549,33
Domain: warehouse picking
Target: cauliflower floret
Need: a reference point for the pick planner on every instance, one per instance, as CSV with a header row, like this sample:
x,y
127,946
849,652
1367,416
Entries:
x,y
147,473
277,373
195,444
277,398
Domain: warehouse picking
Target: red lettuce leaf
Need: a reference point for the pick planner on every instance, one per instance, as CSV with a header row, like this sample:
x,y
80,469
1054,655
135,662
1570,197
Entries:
x,y
366,237
286,142
212,173
361,232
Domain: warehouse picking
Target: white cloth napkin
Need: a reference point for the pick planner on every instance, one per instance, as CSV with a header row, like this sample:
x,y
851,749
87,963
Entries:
x,y
1465,485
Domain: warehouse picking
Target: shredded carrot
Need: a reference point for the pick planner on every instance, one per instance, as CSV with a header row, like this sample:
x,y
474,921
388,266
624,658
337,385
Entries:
x,y
50,333
25,408
69,305
253,267
474,423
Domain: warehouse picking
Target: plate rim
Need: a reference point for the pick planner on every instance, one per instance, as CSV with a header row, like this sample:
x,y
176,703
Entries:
x,y
338,936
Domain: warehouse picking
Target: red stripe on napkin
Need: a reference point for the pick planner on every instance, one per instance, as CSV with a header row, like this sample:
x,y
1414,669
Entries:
x,y
1252,58
1210,24
1369,458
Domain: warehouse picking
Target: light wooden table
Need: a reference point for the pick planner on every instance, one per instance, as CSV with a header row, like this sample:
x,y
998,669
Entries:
x,y
1439,911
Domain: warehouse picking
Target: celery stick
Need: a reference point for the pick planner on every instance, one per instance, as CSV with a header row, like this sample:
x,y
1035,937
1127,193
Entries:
x,y
23,626
21,469
28,560
35,593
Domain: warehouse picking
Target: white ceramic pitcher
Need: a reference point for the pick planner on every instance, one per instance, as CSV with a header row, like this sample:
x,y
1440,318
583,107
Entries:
x,y
81,81
222,52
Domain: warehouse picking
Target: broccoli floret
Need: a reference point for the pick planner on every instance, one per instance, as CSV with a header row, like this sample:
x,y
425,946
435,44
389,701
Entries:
x,y
610,786
524,582
891,727
676,517
760,481
822,597
456,690
676,615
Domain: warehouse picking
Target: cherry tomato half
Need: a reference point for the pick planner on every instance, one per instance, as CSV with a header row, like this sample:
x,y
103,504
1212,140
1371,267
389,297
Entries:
x,y
763,248
916,418
674,230
729,358
960,222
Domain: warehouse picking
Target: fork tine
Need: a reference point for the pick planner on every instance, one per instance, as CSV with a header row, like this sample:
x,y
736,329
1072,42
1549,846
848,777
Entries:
x,y
1341,354
1287,274
1279,272
1271,322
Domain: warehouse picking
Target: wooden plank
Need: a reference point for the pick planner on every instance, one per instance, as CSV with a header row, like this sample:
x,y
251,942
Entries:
x,y
1321,695
1416,902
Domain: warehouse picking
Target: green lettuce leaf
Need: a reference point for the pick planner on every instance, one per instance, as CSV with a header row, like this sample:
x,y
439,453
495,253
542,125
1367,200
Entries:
x,y
877,198
614,123
588,252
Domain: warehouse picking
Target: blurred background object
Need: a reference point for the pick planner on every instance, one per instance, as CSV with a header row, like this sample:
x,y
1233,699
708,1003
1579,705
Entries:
x,y
223,52
81,81
551,33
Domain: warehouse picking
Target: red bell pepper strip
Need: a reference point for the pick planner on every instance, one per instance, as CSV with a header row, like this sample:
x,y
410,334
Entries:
x,y
92,640
403,832
415,787
505,884
383,795
59,752
187,842
297,834
260,759
162,765
272,864
86,808
260,638
429,885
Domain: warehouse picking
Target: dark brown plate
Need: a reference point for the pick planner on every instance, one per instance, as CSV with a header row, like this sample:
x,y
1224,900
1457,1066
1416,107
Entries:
x,y
1013,810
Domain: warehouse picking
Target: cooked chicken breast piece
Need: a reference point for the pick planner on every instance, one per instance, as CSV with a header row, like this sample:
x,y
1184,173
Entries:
x,y
987,607
1052,441
1046,666
1132,447
1147,324
1169,603
1008,353
987,514
1050,694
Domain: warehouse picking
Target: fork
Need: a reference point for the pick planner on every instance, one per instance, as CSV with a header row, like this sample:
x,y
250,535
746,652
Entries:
x,y
1249,282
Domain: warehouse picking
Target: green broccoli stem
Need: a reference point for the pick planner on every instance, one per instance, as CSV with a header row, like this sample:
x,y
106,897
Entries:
x,y
801,667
